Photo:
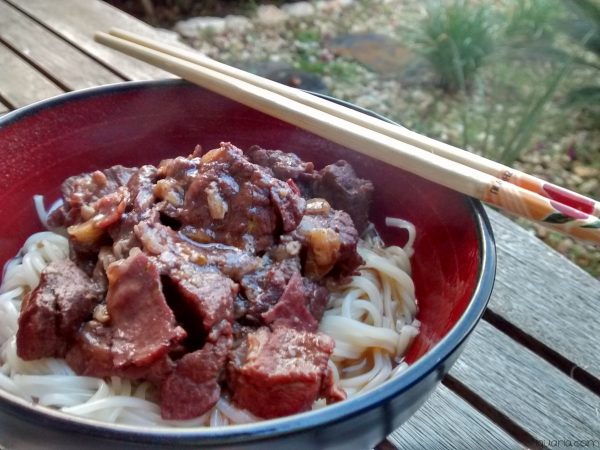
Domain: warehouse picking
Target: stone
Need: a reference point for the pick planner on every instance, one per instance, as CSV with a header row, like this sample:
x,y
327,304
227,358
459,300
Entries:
x,y
285,73
270,15
194,27
169,37
585,171
377,52
589,187
237,23
298,9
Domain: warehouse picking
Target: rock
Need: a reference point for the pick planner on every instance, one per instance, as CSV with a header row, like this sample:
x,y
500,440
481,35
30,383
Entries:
x,y
298,9
270,15
239,23
192,28
589,187
585,171
168,36
287,74
375,51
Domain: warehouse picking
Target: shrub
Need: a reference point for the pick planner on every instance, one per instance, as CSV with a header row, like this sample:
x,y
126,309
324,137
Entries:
x,y
456,40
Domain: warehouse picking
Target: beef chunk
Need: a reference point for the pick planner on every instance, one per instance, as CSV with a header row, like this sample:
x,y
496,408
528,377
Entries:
x,y
235,202
89,235
208,295
274,374
263,288
192,389
91,354
339,185
139,331
80,191
316,297
291,309
140,207
285,166
53,312
329,241
172,251
143,326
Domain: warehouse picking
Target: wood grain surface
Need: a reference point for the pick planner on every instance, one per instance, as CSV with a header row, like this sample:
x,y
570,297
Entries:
x,y
448,422
538,397
62,62
545,295
20,83
76,21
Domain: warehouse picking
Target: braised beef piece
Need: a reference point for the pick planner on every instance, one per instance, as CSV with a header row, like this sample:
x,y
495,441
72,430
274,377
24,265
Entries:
x,y
280,372
291,309
285,166
193,388
138,331
144,327
172,249
316,298
91,355
53,312
207,295
140,207
80,191
329,241
338,184
264,287
232,201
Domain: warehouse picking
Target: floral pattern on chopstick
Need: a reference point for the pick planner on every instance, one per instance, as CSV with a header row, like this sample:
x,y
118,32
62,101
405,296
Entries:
x,y
551,213
572,199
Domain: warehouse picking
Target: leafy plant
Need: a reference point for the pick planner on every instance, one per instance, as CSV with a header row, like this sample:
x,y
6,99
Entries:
x,y
584,29
456,39
532,20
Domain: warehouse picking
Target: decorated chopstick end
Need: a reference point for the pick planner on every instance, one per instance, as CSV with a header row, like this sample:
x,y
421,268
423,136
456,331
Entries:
x,y
546,211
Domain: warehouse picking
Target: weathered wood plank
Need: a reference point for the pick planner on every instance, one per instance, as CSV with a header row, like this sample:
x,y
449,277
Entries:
x,y
76,21
546,296
20,83
535,395
448,422
64,63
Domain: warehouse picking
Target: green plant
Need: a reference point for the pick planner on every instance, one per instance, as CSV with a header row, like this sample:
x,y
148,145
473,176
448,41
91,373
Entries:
x,y
531,20
512,141
456,40
584,29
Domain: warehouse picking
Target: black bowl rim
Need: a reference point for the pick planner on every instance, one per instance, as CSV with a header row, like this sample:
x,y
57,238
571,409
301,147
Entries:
x,y
338,412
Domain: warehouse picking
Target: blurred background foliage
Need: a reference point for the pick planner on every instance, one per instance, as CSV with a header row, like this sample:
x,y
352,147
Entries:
x,y
521,78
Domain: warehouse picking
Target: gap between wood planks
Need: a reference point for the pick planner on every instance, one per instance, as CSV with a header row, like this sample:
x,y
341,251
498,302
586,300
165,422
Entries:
x,y
35,65
496,416
67,41
562,363
5,104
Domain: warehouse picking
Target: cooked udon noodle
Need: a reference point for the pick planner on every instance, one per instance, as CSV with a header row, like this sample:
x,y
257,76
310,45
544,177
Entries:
x,y
372,319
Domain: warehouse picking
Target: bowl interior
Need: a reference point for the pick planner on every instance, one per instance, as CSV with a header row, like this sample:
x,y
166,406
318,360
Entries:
x,y
136,124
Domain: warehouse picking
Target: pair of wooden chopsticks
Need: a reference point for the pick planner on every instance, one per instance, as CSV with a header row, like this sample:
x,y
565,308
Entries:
x,y
465,172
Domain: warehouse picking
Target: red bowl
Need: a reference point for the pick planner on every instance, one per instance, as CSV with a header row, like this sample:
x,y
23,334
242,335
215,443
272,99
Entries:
x,y
137,123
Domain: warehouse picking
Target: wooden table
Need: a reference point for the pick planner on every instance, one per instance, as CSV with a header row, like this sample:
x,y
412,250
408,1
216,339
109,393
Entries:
x,y
530,375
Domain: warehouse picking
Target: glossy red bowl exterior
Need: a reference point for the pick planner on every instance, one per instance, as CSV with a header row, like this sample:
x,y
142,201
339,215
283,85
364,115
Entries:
x,y
137,123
